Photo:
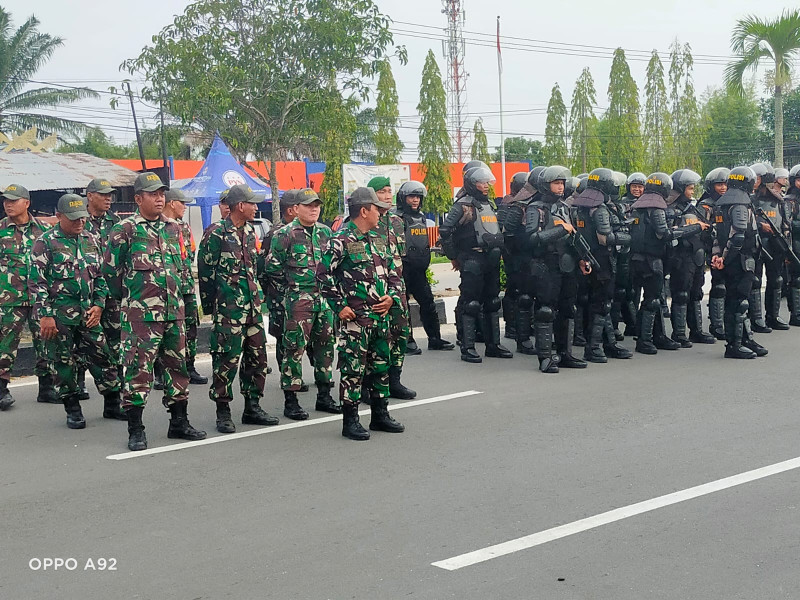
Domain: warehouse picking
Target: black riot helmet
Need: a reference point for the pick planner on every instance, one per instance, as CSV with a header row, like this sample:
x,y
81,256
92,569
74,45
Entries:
x,y
715,176
637,177
472,164
410,188
477,175
658,183
533,176
518,182
683,178
793,173
570,186
583,179
603,180
551,174
742,178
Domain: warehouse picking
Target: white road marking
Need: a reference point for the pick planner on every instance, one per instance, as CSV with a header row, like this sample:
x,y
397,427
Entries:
x,y
293,425
549,535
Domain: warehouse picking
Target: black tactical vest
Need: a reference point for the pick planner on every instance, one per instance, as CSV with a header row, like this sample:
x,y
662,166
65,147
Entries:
x,y
643,234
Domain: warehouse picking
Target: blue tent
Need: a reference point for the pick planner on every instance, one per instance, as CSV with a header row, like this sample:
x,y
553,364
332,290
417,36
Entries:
x,y
220,171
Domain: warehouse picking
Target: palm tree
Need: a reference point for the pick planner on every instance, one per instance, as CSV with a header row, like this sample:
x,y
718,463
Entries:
x,y
22,52
776,39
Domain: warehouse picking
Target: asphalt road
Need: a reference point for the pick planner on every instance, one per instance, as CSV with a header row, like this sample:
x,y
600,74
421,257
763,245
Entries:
x,y
303,513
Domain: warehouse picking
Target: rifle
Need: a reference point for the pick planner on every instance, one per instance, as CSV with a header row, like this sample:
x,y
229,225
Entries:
x,y
777,236
584,250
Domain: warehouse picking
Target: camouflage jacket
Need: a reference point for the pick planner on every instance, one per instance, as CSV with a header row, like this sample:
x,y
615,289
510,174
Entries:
x,y
392,231
189,246
294,255
273,294
356,270
101,227
228,267
65,278
15,248
143,268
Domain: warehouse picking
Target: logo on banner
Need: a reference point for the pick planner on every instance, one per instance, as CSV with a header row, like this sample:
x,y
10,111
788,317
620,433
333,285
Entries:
x,y
232,178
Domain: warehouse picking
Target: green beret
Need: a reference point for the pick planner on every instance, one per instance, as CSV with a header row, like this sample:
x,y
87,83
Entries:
x,y
378,183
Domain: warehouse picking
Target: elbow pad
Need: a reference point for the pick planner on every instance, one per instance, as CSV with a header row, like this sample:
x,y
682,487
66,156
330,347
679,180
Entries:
x,y
619,239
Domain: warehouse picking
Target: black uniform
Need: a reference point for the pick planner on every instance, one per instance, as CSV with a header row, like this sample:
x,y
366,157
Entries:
x,y
792,201
772,204
716,297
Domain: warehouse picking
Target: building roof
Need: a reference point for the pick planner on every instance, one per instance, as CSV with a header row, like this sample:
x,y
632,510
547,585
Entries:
x,y
40,171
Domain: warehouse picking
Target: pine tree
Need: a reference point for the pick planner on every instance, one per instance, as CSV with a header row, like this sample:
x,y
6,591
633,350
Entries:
x,y
480,145
387,142
691,139
584,140
657,130
555,132
434,141
623,144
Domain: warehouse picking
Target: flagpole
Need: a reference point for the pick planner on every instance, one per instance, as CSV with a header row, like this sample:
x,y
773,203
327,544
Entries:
x,y
502,134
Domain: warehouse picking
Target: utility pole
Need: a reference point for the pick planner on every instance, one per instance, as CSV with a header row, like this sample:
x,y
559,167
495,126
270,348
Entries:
x,y
136,127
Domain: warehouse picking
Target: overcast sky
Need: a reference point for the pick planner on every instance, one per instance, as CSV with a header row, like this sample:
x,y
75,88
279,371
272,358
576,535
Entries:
x,y
100,34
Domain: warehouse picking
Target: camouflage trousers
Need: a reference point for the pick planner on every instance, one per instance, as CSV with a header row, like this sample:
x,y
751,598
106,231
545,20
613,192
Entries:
x,y
363,349
230,345
192,320
309,318
399,332
111,322
143,343
79,344
12,322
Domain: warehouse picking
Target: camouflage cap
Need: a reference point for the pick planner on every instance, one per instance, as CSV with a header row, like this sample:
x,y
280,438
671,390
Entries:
x,y
15,192
307,196
176,194
72,206
365,196
241,193
223,194
148,182
100,186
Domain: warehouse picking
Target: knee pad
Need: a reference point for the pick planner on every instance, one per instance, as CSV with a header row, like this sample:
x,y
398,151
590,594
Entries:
x,y
718,291
492,305
473,308
545,314
653,305
742,307
524,302
778,282
681,297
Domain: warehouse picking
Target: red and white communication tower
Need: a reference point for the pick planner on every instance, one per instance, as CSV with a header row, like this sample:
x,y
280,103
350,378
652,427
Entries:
x,y
456,77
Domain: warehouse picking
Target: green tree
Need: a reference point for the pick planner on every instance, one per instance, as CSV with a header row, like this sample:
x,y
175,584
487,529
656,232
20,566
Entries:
x,y
522,149
775,40
584,140
791,124
434,141
733,136
480,145
388,146
657,132
257,70
555,130
364,149
97,143
685,113
623,141
22,52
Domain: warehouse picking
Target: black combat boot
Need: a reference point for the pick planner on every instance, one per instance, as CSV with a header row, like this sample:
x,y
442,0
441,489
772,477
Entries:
x,y
579,337
158,376
749,342
695,320
480,334
564,336
137,440
194,377
660,337
491,331
291,407
381,419
593,351
629,312
468,353
794,305
757,322
396,388
611,347
773,299
351,425
716,317
548,359
412,348
6,399
644,341
510,308
679,316
47,391
72,406
179,426
325,402
224,420
255,415
523,331
83,393
437,343
112,408
734,330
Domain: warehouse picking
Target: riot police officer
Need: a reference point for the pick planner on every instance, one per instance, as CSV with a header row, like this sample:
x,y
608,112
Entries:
x,y
416,260
471,237
736,244
511,294
626,301
792,200
714,186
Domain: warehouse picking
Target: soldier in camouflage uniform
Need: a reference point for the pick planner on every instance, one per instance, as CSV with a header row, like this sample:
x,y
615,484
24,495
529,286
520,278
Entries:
x,y
392,231
227,266
174,208
294,254
18,230
358,277
68,297
99,194
143,268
